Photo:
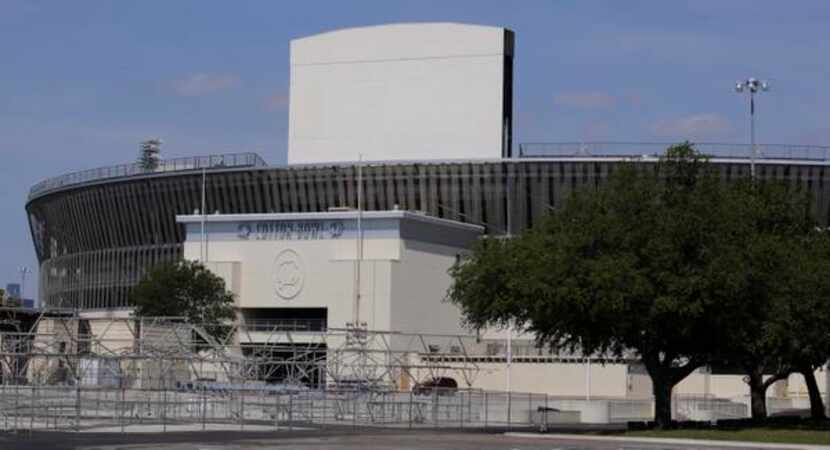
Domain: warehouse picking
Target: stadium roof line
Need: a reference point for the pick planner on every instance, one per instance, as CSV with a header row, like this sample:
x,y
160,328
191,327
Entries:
x,y
572,151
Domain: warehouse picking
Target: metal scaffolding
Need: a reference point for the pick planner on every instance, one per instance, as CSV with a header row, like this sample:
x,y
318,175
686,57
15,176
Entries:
x,y
63,370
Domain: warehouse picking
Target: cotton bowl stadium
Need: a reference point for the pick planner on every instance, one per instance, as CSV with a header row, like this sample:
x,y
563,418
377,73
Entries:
x,y
97,231
338,260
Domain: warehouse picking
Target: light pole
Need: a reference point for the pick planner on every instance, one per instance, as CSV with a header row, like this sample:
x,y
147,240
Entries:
x,y
23,272
751,85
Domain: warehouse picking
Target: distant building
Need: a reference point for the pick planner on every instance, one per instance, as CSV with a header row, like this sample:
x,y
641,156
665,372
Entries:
x,y
13,290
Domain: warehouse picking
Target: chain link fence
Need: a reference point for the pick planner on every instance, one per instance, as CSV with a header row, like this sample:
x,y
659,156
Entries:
x,y
84,408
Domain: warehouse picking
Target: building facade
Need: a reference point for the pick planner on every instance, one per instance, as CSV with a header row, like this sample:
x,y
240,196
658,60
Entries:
x,y
95,238
411,123
381,270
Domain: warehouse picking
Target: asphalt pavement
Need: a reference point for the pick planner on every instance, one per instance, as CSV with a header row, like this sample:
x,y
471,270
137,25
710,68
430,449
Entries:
x,y
341,439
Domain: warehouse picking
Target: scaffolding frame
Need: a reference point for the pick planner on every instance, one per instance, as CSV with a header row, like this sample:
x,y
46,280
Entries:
x,y
133,369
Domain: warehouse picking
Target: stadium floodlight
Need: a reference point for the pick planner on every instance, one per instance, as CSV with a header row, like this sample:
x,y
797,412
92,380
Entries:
x,y
752,85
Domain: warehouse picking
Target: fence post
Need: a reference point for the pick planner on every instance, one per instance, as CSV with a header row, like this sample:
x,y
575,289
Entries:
x,y
485,410
326,404
354,410
410,409
470,408
163,405
241,410
276,410
436,409
310,402
530,408
16,403
509,415
290,410
204,408
461,410
122,406
77,404
5,416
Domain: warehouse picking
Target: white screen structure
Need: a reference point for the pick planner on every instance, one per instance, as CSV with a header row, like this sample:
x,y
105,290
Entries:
x,y
401,92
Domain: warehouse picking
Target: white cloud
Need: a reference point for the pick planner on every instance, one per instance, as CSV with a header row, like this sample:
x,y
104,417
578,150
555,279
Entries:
x,y
696,126
199,84
585,100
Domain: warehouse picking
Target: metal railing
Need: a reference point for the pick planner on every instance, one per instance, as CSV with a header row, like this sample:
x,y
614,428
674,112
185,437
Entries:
x,y
227,160
164,405
655,149
269,325
129,409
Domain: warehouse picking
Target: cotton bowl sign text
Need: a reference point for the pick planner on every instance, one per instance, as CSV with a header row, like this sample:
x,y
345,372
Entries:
x,y
290,231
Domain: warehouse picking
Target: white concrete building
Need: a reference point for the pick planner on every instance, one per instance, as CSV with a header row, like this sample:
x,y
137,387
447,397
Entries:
x,y
410,91
304,267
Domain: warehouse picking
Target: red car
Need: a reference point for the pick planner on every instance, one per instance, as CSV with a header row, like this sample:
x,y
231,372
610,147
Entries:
x,y
439,385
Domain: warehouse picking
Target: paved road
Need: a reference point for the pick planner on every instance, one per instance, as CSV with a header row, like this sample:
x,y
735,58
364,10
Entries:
x,y
317,440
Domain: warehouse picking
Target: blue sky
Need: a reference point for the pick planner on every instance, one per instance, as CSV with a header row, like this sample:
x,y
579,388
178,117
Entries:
x,y
82,82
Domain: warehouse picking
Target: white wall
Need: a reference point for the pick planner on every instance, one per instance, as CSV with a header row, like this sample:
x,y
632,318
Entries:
x,y
562,379
398,92
419,285
328,279
403,280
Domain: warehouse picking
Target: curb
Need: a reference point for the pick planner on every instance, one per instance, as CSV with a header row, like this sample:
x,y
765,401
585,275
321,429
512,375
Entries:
x,y
694,442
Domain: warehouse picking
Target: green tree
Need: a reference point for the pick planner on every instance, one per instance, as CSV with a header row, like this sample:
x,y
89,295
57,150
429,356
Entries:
x,y
148,156
10,302
796,326
772,266
780,292
185,289
637,265
809,313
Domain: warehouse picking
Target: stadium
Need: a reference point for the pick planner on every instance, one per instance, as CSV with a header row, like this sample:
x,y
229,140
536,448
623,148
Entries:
x,y
97,231
412,200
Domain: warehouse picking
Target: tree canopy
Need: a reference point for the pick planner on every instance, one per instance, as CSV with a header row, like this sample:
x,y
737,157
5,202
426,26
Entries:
x,y
665,261
148,156
780,254
6,300
185,289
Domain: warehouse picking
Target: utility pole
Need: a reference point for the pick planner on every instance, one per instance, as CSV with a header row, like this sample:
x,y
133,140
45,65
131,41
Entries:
x,y
23,272
752,86
359,242
203,246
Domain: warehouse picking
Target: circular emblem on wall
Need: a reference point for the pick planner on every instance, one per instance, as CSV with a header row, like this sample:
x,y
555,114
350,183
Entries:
x,y
336,229
288,274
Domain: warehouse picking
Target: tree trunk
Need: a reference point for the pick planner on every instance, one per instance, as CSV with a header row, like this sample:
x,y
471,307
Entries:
x,y
664,376
816,403
758,394
662,401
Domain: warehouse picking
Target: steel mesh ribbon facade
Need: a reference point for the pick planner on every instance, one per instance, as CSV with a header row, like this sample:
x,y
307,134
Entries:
x,y
95,239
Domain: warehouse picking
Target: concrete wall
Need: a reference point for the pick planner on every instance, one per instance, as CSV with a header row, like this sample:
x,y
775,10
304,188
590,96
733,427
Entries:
x,y
403,274
328,275
560,379
420,282
402,91
701,383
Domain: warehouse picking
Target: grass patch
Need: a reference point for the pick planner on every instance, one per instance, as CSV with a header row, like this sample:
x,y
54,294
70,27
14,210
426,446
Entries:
x,y
813,434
